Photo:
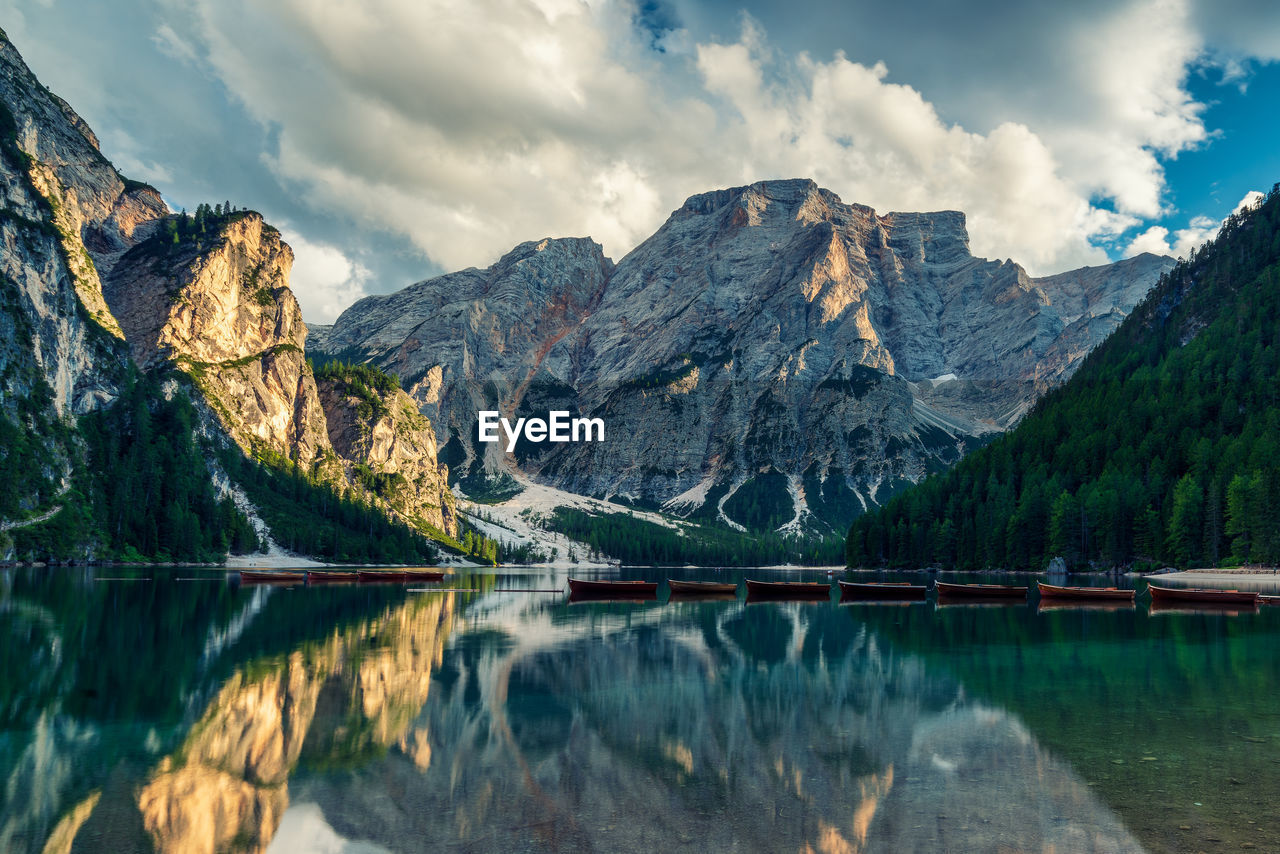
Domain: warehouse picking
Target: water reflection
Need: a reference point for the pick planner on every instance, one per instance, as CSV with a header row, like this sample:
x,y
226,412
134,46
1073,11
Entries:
x,y
207,717
706,725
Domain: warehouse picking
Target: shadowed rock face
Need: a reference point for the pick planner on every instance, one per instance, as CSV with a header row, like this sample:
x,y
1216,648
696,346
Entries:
x,y
769,335
396,443
69,215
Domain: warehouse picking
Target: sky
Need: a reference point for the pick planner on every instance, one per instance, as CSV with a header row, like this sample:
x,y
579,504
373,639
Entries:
x,y
394,140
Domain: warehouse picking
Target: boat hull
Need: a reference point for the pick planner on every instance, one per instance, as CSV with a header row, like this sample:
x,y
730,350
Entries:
x,y
314,577
607,589
1201,594
1106,594
981,591
788,589
873,590
277,577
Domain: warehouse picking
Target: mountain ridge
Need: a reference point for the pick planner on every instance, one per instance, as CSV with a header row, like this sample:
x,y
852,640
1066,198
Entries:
x,y
764,331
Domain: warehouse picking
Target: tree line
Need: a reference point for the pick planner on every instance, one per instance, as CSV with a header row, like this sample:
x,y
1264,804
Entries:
x,y
1161,449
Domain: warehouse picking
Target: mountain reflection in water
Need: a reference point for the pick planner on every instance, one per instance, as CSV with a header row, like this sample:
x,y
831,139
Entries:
x,y
705,726
373,721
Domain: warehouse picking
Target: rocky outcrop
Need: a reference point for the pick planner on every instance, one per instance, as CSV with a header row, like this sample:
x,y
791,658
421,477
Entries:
x,y
389,447
219,306
771,357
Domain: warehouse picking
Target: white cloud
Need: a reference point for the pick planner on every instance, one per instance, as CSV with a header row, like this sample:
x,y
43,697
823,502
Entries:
x,y
173,45
324,280
1158,240
470,127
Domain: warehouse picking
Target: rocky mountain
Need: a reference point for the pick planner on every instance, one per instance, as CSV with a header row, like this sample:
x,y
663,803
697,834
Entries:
x,y
770,357
98,277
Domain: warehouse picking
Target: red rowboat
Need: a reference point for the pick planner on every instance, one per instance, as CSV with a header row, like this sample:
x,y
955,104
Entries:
x,y
248,576
329,576
788,589
581,587
1053,591
985,591
881,590
1201,594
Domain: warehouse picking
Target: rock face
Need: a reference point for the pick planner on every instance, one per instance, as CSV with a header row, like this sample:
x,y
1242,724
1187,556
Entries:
x,y
390,448
221,308
771,357
477,339
94,270
68,215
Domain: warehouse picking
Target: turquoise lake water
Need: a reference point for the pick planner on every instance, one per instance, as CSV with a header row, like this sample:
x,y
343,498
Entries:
x,y
178,710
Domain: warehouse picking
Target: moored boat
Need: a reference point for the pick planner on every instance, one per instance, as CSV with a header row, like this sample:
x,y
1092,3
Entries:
x,y
882,590
1054,591
787,589
271,576
1202,594
423,574
381,576
583,587
1264,599
330,576
984,591
701,588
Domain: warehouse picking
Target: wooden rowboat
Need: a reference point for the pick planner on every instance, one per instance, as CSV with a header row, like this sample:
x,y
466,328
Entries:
x,y
1053,591
701,588
277,576
985,591
330,576
788,589
382,576
423,574
602,589
882,590
1202,594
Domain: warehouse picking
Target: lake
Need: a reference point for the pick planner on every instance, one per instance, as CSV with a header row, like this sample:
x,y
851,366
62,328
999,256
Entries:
x,y
177,710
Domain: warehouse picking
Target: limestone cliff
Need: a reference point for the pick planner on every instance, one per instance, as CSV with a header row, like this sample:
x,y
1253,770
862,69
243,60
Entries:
x,y
67,214
218,305
64,214
389,448
771,357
